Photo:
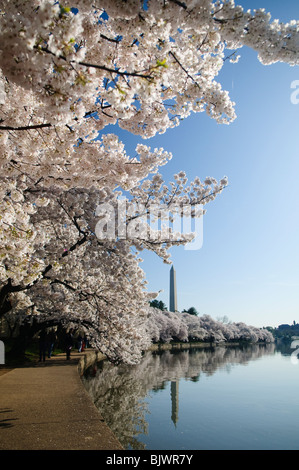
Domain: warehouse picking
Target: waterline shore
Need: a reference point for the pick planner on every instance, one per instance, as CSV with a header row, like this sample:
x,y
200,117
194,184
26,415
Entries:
x,y
44,405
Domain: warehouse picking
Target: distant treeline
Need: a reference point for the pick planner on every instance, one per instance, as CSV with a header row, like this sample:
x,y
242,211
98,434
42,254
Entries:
x,y
285,331
163,326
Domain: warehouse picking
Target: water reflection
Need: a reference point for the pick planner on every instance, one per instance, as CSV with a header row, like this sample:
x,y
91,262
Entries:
x,y
120,392
174,391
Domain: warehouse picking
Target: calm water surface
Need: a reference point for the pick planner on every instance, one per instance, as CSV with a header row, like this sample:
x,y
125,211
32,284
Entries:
x,y
202,399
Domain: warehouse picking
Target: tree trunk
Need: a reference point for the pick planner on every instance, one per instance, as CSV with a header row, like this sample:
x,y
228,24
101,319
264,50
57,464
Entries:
x,y
5,305
21,342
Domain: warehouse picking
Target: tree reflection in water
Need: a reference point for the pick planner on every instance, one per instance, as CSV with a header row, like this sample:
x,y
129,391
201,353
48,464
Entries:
x,y
120,392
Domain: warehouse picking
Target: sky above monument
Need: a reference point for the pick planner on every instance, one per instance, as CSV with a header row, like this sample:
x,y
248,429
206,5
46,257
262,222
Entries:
x,y
248,266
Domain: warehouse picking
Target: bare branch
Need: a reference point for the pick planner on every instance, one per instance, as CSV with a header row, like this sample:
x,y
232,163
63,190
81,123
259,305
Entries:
x,y
25,128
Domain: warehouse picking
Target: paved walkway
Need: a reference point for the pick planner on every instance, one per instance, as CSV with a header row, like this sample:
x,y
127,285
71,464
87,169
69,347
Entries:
x,y
45,406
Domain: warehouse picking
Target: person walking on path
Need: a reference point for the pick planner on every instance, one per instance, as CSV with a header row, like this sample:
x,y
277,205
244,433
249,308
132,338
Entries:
x,y
51,342
80,343
42,345
69,342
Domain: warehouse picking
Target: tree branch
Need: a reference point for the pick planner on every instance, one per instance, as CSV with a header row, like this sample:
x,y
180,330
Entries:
x,y
117,71
100,67
180,4
183,68
25,128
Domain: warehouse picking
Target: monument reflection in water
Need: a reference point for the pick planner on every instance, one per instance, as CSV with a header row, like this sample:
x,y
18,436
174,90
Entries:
x,y
200,399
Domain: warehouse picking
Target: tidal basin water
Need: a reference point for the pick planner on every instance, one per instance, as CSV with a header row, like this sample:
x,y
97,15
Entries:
x,y
222,398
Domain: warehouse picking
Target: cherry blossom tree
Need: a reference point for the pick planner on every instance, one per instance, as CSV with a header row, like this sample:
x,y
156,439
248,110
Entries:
x,y
67,71
169,326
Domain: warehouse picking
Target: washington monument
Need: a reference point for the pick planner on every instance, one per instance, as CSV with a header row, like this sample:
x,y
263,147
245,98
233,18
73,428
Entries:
x,y
172,292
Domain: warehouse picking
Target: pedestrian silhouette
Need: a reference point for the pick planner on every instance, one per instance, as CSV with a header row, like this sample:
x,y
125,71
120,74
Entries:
x,y
51,342
69,342
80,343
42,345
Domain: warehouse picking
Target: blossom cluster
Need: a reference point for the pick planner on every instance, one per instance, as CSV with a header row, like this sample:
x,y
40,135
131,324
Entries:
x,y
164,326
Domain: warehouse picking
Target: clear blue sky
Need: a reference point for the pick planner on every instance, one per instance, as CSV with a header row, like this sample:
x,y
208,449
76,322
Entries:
x,y
248,266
